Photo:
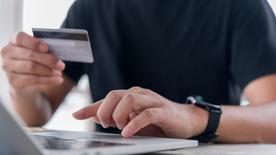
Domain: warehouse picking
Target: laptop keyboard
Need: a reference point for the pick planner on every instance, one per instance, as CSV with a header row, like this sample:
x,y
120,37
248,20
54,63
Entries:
x,y
59,143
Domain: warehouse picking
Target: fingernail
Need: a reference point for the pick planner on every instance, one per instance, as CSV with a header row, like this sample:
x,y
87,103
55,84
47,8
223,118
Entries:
x,y
119,127
43,47
77,114
60,65
105,125
126,133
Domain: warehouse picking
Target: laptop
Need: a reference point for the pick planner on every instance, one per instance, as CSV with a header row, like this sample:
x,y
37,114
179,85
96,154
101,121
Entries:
x,y
16,140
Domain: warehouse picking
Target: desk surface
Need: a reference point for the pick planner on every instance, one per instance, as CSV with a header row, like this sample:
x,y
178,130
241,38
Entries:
x,y
226,149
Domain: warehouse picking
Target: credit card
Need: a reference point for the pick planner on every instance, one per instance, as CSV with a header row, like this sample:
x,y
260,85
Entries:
x,y
67,44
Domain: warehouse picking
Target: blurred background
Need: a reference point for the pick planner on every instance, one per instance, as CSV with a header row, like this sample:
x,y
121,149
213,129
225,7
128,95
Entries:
x,y
18,15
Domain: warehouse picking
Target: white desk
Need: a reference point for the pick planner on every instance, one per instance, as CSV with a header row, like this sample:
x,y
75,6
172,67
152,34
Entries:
x,y
226,149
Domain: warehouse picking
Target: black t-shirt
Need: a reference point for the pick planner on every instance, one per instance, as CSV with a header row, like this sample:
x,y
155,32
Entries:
x,y
176,48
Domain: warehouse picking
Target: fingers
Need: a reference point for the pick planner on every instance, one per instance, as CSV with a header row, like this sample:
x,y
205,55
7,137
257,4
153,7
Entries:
x,y
87,112
30,68
110,102
145,118
96,120
22,61
19,81
119,108
22,39
117,105
46,59
132,115
130,103
140,90
106,113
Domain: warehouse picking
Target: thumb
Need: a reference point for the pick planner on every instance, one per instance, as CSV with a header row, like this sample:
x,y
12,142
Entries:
x,y
87,112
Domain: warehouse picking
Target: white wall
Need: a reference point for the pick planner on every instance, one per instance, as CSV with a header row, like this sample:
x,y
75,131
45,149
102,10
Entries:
x,y
11,22
44,13
10,18
273,4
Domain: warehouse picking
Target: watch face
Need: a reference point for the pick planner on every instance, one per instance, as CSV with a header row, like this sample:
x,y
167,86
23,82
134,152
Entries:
x,y
191,100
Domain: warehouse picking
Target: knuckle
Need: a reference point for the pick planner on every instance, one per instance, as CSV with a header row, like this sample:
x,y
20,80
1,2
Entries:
x,y
19,36
159,118
147,90
112,94
140,90
151,112
29,53
129,97
4,51
5,67
12,79
135,88
153,116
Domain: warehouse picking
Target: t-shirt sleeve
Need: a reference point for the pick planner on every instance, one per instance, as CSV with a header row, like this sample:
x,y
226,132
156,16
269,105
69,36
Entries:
x,y
74,70
253,41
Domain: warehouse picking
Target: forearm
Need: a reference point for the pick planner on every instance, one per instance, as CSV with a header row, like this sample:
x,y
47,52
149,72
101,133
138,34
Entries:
x,y
248,124
31,106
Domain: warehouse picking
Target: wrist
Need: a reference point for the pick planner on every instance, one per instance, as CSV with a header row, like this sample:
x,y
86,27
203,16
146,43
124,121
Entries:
x,y
31,106
199,118
22,92
214,113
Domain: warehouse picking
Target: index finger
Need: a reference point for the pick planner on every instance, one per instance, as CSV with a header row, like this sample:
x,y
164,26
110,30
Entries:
x,y
24,40
88,111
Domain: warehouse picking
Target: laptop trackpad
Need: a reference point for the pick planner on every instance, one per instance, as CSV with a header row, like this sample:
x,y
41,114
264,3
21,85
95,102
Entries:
x,y
59,143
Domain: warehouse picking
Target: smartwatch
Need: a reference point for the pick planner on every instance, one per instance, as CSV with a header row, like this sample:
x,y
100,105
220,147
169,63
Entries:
x,y
209,135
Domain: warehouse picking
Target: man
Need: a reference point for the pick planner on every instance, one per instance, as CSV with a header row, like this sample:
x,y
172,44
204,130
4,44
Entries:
x,y
220,50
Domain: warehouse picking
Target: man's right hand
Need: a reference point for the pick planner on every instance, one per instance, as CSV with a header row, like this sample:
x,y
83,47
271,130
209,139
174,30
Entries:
x,y
28,63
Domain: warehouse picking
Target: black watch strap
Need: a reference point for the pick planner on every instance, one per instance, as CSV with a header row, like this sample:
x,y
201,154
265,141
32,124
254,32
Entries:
x,y
213,120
